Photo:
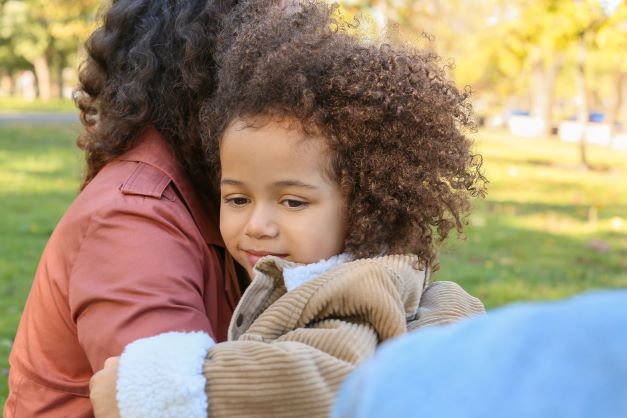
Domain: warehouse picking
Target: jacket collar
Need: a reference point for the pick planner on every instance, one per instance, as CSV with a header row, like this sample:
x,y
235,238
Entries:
x,y
270,284
151,148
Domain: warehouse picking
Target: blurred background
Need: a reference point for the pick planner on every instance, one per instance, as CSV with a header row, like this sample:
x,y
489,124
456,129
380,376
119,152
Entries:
x,y
549,82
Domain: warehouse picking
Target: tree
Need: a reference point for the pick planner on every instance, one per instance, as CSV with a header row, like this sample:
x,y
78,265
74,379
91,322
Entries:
x,y
540,51
611,60
45,31
11,63
29,39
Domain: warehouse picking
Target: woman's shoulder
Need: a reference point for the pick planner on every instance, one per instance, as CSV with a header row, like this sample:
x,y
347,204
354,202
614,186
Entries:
x,y
135,198
149,182
135,188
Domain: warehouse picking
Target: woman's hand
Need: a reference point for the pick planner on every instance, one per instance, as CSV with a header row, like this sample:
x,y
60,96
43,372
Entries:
x,y
102,388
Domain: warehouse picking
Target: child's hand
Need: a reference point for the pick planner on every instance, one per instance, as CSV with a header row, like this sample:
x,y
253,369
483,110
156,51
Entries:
x,y
102,388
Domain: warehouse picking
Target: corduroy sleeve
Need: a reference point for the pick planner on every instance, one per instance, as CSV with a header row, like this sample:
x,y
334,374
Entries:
x,y
443,303
297,375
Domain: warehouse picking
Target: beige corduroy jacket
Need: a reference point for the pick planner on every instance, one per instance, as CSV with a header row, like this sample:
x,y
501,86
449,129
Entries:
x,y
288,352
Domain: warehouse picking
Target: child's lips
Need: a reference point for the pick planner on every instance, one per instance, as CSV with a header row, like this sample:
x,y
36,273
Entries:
x,y
254,256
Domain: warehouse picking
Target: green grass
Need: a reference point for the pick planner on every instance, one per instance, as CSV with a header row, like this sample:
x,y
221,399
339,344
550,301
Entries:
x,y
548,229
39,174
536,236
18,105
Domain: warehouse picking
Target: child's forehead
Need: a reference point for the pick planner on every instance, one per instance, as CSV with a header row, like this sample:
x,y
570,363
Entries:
x,y
274,143
281,127
255,122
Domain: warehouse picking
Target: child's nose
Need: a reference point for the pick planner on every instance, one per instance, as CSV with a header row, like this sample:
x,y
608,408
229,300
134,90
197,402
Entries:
x,y
261,224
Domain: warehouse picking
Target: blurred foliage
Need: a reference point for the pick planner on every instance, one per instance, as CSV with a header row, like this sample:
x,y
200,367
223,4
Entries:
x,y
514,53
43,35
521,49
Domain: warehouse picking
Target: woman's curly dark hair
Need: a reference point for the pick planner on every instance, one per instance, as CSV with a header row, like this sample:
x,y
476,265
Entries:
x,y
394,122
150,62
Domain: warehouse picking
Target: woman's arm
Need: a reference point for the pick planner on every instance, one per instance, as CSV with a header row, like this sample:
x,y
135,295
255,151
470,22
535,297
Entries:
x,y
139,272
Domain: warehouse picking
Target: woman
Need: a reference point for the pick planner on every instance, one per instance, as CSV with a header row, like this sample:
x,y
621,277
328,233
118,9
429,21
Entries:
x,y
138,252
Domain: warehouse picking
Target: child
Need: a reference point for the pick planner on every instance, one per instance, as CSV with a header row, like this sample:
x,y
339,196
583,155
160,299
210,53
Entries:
x,y
343,166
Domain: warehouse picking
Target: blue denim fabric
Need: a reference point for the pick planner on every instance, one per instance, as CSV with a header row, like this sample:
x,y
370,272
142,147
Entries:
x,y
564,359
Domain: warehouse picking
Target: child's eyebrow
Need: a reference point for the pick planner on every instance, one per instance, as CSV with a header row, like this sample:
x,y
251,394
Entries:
x,y
280,183
293,183
231,182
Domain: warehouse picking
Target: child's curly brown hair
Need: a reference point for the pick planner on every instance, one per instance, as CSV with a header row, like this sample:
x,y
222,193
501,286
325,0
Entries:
x,y
394,122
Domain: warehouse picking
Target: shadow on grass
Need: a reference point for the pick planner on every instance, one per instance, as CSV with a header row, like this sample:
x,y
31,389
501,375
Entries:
x,y
502,263
580,212
524,161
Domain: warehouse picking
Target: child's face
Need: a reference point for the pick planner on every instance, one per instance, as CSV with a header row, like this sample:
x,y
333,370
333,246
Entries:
x,y
275,196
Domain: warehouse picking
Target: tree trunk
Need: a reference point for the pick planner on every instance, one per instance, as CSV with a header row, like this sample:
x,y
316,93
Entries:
x,y
551,74
582,99
543,79
622,113
613,111
7,83
61,65
539,99
42,72
60,83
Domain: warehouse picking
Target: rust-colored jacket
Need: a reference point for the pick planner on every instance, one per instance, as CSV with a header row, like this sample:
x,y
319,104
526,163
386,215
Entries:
x,y
136,254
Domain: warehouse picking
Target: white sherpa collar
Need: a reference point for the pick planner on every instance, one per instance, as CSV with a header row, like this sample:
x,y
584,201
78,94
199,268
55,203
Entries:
x,y
294,276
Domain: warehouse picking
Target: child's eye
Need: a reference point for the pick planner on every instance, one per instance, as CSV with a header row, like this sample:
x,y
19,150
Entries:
x,y
236,201
294,203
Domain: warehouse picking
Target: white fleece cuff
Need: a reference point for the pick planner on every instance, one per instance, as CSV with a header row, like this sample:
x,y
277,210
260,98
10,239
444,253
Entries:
x,y
161,376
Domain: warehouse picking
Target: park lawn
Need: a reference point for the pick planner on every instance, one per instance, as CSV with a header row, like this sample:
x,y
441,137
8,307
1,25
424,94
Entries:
x,y
19,105
39,176
547,229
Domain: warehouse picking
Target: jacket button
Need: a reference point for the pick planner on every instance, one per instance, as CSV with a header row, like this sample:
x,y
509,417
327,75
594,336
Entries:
x,y
239,320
